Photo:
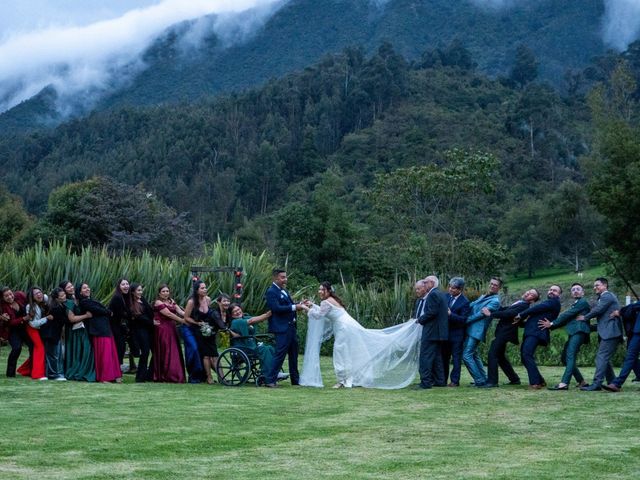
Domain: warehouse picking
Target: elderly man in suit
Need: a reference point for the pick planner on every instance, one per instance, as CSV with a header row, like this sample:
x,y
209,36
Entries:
x,y
477,325
506,332
577,335
459,310
282,324
433,316
609,332
534,336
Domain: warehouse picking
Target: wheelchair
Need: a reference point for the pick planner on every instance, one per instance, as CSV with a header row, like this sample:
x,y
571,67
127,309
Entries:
x,y
240,364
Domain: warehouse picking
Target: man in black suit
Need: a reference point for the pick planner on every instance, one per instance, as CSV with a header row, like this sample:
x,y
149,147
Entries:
x,y
506,332
535,336
459,310
434,318
282,324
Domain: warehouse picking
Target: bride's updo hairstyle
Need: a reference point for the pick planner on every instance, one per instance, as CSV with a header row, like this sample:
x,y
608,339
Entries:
x,y
329,288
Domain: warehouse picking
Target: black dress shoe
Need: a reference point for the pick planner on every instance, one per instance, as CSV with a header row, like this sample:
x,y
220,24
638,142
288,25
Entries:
x,y
271,385
419,386
612,387
591,388
517,382
487,385
558,387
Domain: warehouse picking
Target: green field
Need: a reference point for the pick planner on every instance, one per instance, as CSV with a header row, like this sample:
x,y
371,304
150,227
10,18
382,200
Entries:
x,y
158,431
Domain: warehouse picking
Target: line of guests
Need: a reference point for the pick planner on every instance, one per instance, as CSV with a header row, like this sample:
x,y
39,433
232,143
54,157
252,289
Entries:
x,y
455,327
72,336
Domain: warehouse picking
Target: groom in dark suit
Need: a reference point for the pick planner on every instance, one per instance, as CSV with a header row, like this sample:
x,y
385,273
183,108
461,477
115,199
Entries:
x,y
282,324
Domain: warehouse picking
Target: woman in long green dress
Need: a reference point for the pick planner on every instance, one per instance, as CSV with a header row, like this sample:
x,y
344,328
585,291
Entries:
x,y
79,363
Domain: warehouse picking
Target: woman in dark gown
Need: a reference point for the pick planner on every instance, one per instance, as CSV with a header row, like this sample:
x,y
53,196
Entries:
x,y
79,363
141,329
105,353
198,311
14,319
168,363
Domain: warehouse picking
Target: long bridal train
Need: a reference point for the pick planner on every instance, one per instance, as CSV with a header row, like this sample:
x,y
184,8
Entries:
x,y
386,358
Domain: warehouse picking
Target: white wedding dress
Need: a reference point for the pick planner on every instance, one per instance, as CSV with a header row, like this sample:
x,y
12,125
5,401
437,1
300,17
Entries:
x,y
386,358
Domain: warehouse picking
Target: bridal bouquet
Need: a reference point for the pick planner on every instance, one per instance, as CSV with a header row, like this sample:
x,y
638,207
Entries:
x,y
206,330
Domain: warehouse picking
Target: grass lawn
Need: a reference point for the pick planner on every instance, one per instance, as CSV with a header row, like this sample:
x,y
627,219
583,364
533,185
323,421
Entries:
x,y
156,431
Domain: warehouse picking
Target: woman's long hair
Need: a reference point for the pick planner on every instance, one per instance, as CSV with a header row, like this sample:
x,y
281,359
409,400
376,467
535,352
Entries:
x,y
195,296
53,298
329,288
135,307
44,308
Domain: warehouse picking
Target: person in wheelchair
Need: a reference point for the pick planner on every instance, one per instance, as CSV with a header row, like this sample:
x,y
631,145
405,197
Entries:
x,y
242,327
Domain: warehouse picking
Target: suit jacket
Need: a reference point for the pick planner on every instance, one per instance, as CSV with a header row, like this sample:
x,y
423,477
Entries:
x,y
477,323
52,330
548,309
458,318
630,315
608,327
282,314
505,329
568,318
435,319
98,325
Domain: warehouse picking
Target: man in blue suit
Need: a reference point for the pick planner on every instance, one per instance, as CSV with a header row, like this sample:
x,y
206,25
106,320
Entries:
x,y
459,310
477,325
282,324
535,336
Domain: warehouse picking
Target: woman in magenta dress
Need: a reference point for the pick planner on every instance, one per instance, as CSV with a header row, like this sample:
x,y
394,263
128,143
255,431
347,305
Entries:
x,y
104,347
168,362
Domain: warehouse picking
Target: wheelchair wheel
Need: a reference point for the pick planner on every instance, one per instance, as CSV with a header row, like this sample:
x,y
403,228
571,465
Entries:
x,y
234,367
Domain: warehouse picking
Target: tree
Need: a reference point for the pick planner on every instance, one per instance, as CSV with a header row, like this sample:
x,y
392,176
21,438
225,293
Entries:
x,y
14,220
614,168
100,211
525,67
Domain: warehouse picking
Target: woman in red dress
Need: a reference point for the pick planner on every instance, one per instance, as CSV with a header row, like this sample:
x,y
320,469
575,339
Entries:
x,y
168,362
37,309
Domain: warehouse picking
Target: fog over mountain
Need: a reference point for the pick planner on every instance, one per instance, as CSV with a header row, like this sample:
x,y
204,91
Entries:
x,y
84,50
96,56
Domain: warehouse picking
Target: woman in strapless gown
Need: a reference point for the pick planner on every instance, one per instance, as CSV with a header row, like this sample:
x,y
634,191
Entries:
x,y
385,358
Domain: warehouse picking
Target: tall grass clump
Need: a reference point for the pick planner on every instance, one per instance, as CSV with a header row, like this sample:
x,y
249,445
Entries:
x,y
48,266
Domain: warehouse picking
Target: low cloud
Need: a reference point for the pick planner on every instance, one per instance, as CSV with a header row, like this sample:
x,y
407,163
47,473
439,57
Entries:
x,y
621,23
83,61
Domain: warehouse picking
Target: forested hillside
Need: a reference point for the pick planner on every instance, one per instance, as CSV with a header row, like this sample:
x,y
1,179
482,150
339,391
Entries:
x,y
564,37
364,165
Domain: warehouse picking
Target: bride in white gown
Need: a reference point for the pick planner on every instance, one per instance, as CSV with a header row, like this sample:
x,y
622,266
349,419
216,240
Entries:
x,y
386,358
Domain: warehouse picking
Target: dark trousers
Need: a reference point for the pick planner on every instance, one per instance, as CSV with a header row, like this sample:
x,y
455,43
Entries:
x,y
192,360
17,337
430,365
452,352
53,353
497,358
630,360
570,355
119,338
286,345
143,338
528,356
604,368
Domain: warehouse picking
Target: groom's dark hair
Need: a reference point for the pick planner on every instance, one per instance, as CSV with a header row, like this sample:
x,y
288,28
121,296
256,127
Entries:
x,y
277,271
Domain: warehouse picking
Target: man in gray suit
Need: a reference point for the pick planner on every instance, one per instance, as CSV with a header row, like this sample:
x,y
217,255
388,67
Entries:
x,y
434,318
609,332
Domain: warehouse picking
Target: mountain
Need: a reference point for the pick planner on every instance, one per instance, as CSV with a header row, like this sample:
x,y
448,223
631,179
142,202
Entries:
x,y
563,35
